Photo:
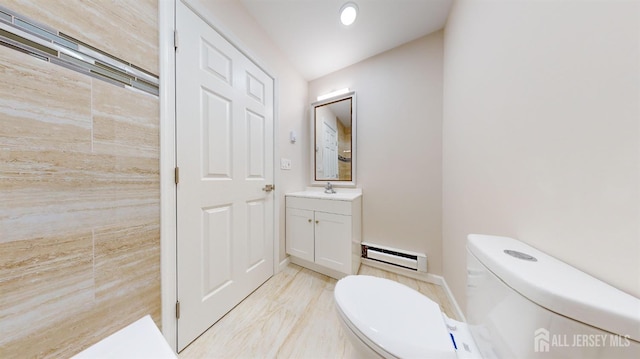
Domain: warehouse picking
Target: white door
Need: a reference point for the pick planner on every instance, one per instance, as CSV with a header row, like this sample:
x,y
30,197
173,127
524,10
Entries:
x,y
224,140
330,152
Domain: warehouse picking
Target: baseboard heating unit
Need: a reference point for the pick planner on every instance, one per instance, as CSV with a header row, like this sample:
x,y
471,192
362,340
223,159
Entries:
x,y
400,258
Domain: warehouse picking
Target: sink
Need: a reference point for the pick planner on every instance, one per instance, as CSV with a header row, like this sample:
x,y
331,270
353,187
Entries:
x,y
341,194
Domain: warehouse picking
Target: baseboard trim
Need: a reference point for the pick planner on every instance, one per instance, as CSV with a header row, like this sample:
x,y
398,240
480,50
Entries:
x,y
425,277
453,301
285,262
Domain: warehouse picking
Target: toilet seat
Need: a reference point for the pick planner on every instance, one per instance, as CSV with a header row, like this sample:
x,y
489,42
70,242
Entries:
x,y
398,320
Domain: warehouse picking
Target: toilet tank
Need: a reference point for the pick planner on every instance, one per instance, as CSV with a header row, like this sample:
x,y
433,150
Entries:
x,y
523,303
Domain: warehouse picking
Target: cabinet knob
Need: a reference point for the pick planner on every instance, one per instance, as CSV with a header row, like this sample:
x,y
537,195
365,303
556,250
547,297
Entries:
x,y
309,220
317,222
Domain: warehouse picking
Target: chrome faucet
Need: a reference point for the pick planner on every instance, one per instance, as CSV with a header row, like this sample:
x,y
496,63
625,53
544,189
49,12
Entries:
x,y
329,188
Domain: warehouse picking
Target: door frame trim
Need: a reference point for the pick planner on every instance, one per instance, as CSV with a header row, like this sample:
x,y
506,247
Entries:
x,y
168,245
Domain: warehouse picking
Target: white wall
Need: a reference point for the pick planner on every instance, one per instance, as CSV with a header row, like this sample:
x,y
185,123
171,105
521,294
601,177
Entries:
x,y
399,104
234,21
542,133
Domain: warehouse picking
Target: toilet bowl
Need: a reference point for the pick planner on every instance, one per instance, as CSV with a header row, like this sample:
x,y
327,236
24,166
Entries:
x,y
386,319
521,303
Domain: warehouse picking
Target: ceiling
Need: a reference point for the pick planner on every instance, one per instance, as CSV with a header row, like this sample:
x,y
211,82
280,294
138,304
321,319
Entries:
x,y
310,34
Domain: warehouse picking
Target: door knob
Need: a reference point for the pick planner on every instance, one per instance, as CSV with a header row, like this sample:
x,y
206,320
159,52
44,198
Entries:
x,y
269,188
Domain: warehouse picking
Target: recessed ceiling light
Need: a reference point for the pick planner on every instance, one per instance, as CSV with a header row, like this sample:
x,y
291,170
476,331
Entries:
x,y
348,13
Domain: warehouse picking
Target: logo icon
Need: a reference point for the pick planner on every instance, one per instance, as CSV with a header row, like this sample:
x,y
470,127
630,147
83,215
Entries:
x,y
541,340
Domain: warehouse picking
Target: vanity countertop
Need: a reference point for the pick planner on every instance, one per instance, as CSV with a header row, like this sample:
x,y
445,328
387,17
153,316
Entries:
x,y
340,195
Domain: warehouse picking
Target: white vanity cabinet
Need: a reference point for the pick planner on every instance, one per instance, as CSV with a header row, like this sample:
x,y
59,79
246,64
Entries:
x,y
324,231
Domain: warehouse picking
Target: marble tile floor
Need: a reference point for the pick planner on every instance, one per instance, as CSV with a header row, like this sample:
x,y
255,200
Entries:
x,y
292,315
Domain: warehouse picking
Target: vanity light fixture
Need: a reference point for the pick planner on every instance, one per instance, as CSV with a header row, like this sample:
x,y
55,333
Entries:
x,y
348,13
333,94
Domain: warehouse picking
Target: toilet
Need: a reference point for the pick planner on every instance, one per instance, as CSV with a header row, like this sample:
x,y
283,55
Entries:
x,y
521,303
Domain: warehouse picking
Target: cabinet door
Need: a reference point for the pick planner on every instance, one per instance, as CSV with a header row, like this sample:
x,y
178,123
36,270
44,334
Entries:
x,y
333,241
299,233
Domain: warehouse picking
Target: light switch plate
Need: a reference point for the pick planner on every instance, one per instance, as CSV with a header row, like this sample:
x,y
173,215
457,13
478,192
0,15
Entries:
x,y
285,164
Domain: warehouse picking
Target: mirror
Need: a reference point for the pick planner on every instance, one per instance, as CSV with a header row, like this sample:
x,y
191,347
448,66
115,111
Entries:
x,y
333,134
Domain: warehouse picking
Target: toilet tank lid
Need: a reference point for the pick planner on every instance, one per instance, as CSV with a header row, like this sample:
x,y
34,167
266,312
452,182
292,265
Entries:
x,y
558,286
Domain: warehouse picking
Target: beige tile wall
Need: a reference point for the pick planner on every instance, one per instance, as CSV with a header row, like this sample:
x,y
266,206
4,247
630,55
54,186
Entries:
x,y
79,188
126,29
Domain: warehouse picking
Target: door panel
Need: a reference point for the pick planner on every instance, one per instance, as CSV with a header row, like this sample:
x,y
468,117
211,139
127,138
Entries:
x,y
255,143
256,228
216,131
216,245
224,140
215,61
330,155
